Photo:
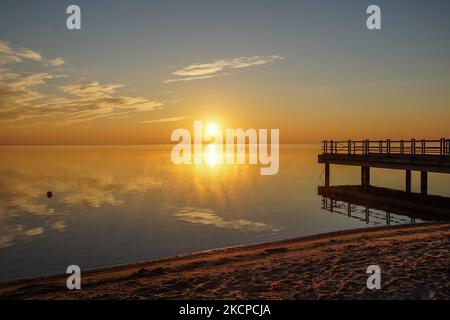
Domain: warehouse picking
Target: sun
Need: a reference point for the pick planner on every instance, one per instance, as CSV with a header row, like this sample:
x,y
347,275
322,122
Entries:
x,y
212,129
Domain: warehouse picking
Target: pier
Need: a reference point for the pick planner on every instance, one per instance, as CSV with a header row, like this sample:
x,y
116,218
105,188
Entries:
x,y
408,155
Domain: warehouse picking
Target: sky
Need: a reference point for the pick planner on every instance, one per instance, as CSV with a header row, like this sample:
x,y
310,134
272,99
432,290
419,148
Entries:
x,y
137,70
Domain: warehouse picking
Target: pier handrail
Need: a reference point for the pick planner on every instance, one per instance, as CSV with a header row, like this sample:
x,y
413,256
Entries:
x,y
406,147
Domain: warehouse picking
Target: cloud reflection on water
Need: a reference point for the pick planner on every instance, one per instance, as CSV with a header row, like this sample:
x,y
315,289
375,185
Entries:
x,y
207,216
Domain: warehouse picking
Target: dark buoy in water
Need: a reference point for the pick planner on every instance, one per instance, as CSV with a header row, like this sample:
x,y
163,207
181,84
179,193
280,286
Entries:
x,y
49,194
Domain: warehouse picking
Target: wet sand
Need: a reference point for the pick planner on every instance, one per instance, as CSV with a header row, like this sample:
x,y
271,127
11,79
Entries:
x,y
414,260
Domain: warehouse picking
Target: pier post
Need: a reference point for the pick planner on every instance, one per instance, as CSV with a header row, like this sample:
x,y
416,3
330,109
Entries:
x,y
408,181
423,182
363,180
327,174
365,177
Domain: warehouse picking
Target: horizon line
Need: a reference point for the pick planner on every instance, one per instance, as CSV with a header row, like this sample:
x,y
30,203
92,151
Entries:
x,y
130,144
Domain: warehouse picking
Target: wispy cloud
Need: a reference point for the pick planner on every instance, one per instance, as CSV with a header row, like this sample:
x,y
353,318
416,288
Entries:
x,y
199,71
90,89
190,78
25,96
173,119
56,62
8,54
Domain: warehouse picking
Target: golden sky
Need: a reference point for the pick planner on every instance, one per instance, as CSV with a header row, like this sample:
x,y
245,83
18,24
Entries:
x,y
310,74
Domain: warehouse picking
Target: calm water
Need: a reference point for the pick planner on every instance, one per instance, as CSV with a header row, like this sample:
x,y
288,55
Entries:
x,y
115,205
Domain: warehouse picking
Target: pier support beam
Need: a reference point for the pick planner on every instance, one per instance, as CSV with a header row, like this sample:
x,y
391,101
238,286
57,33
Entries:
x,y
327,174
408,181
424,182
363,171
365,177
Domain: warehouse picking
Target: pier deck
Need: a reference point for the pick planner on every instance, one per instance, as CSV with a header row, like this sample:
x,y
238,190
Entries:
x,y
409,155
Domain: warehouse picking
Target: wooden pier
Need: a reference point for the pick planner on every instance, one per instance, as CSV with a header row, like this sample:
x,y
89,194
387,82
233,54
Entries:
x,y
409,155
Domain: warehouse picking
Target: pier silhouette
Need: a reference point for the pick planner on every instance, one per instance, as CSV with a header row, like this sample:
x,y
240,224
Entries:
x,y
408,155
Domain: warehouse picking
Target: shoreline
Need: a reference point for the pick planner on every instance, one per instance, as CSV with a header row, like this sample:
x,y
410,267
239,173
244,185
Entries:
x,y
414,260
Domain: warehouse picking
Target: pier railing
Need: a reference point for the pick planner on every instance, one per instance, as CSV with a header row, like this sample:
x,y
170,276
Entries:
x,y
407,147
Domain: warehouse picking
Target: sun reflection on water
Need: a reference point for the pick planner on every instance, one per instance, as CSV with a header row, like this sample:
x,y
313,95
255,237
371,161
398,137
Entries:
x,y
211,155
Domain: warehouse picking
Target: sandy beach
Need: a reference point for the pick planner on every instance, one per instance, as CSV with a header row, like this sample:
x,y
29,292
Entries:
x,y
414,260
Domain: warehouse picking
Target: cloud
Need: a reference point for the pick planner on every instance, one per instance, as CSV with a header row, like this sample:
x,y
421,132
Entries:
x,y
198,71
29,54
10,55
25,96
17,95
56,62
189,79
173,119
90,89
90,100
